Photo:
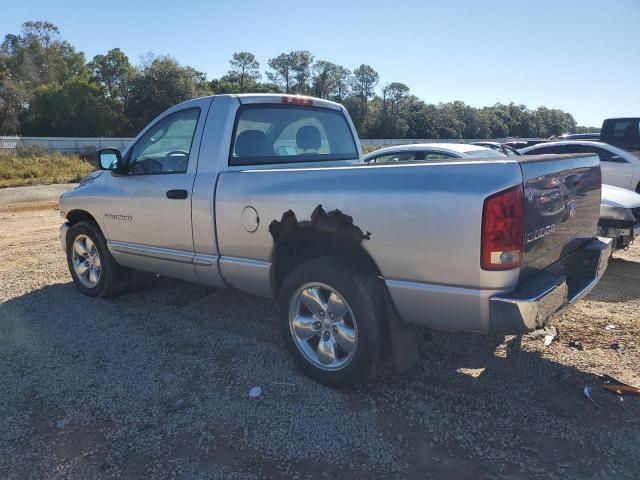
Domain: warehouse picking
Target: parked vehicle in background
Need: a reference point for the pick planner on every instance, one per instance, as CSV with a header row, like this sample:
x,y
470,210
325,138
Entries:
x,y
619,132
619,216
622,132
620,168
503,148
430,152
580,136
269,194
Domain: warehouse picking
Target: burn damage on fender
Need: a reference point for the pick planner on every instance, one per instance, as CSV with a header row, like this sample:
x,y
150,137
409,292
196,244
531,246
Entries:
x,y
326,233
333,224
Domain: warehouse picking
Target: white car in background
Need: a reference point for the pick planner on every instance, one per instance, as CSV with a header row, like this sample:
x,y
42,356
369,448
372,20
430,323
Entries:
x,y
619,208
619,167
619,216
430,152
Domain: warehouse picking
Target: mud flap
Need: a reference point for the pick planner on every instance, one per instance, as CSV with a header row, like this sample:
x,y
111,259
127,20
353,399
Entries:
x,y
404,344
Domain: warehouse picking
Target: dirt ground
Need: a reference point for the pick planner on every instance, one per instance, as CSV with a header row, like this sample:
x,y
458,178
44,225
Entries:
x,y
155,383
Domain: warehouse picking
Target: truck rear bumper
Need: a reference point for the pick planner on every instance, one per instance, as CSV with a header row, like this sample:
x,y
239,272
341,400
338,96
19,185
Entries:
x,y
530,306
549,293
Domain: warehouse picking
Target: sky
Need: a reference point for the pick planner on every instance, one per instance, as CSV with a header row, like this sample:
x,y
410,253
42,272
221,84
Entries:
x,y
582,56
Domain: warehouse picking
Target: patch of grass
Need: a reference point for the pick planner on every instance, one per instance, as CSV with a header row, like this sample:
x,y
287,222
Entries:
x,y
17,169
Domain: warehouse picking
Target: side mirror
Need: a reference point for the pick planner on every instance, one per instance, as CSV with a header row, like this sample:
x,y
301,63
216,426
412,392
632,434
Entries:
x,y
110,159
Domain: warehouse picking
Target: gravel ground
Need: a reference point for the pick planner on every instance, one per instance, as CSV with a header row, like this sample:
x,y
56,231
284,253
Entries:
x,y
155,383
36,193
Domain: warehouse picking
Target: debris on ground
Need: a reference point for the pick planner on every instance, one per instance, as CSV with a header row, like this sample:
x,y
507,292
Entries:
x,y
610,327
550,334
62,422
622,389
181,404
255,392
614,385
575,346
587,393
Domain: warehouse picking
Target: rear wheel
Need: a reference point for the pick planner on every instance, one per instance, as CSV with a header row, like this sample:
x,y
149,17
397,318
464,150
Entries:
x,y
93,269
333,320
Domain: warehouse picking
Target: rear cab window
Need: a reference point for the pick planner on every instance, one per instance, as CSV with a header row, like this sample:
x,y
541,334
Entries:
x,y
273,134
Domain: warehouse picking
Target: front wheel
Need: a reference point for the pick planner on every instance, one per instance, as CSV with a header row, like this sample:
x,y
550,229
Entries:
x,y
333,321
93,269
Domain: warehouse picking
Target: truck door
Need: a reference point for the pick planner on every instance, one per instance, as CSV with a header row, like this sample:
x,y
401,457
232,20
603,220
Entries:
x,y
148,211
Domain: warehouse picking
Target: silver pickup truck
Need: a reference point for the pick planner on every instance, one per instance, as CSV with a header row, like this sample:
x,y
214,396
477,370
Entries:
x,y
269,194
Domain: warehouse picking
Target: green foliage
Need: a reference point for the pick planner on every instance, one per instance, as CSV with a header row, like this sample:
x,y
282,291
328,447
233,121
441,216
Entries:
x,y
35,57
162,83
76,108
40,169
291,71
46,88
244,72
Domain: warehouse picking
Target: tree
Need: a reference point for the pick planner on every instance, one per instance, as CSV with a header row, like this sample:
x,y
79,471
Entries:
x,y
291,71
342,82
244,70
329,80
114,72
363,83
323,79
282,71
35,57
302,61
74,108
162,84
395,92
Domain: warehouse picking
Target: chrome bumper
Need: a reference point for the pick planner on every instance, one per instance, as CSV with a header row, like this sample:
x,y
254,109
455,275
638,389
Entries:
x,y
536,302
64,228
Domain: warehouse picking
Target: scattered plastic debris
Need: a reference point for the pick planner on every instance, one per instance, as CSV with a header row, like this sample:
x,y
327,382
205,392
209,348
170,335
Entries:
x,y
181,405
550,335
62,422
622,389
614,385
576,346
255,392
610,327
615,346
587,393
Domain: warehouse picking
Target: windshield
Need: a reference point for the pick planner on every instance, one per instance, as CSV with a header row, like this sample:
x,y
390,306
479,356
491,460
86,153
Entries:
x,y
488,153
267,134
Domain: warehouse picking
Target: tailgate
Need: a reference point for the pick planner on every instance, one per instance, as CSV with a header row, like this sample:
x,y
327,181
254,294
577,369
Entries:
x,y
561,206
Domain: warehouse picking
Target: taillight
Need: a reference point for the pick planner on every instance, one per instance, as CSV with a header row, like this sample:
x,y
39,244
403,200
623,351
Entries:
x,y
502,219
297,100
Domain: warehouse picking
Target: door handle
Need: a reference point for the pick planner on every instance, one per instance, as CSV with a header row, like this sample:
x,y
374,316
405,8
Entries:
x,y
177,194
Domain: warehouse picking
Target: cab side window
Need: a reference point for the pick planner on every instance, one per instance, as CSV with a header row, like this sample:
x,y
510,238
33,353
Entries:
x,y
166,147
626,128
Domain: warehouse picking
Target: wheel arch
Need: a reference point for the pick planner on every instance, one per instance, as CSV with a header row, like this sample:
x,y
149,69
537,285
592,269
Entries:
x,y
79,215
76,216
331,233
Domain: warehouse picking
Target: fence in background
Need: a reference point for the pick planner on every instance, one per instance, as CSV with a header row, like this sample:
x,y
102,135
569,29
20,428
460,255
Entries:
x,y
83,144
65,144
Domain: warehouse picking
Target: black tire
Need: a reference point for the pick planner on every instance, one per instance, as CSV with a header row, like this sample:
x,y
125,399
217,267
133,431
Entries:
x,y
364,293
113,278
